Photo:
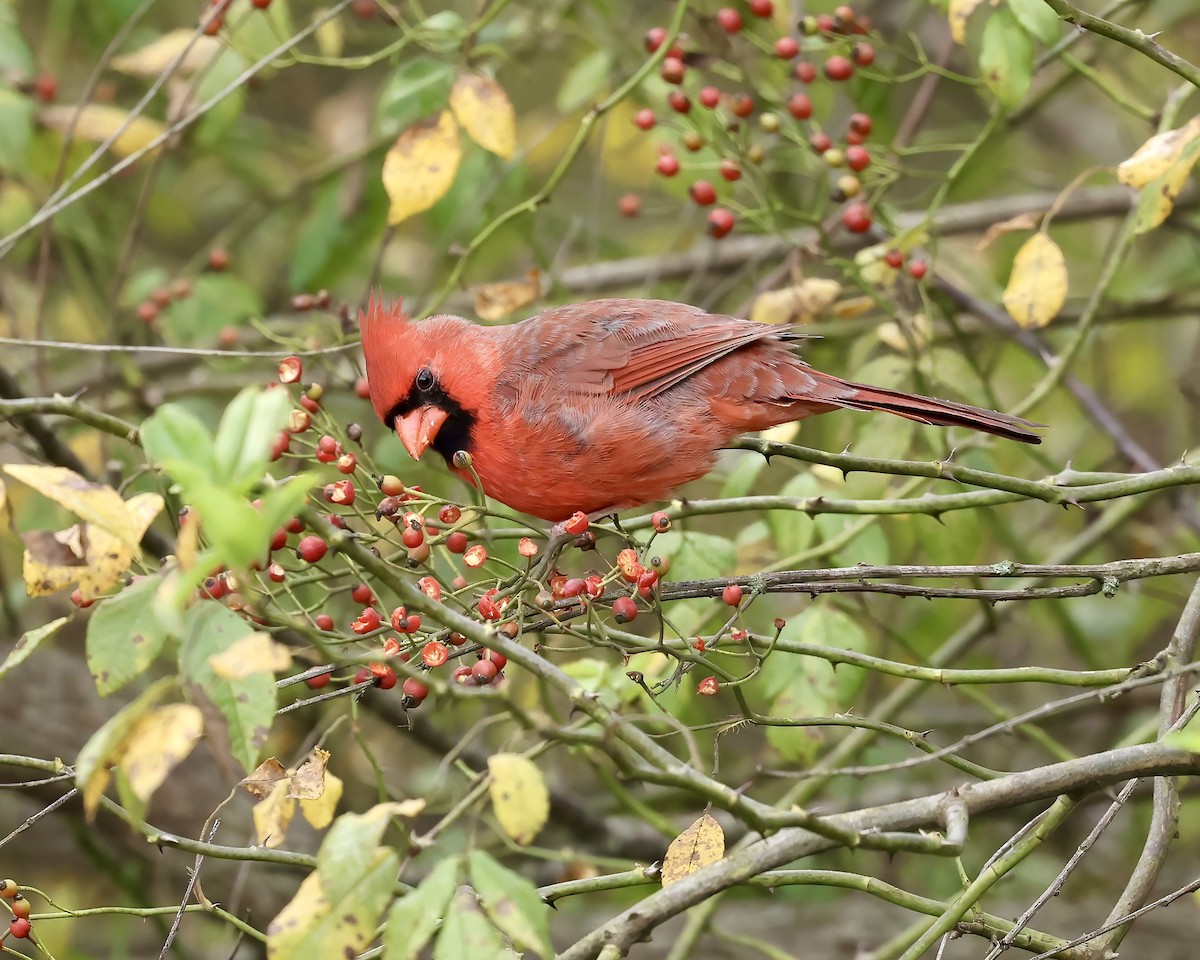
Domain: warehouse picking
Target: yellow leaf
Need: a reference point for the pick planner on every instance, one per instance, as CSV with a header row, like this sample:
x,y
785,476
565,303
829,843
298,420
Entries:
x,y
29,642
308,782
1157,198
1022,221
699,845
3,496
519,796
958,13
253,653
158,742
331,35
108,558
783,433
97,122
272,815
155,57
485,112
1157,155
319,813
915,335
266,775
187,544
53,560
799,303
495,301
853,307
96,503
1037,286
419,169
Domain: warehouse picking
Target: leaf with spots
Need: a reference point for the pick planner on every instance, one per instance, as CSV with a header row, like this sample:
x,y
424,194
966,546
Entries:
x,y
1037,286
1157,155
124,636
699,845
96,503
1006,59
92,766
248,704
420,167
519,796
512,903
158,742
1157,198
467,933
335,912
483,109
415,917
29,641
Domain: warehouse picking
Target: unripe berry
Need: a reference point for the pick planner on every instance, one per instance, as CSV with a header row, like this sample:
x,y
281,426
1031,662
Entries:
x,y
849,186
769,122
835,158
692,141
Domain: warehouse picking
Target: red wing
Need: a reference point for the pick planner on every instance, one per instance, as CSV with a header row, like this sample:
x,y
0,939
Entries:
x,y
656,366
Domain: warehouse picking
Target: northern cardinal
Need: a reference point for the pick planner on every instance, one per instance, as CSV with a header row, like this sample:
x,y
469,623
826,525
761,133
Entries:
x,y
608,404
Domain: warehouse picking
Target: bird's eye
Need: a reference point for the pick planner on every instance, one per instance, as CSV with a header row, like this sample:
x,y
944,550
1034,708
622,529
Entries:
x,y
425,380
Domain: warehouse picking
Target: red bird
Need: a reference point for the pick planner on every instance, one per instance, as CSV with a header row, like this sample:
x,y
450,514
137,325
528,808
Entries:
x,y
608,404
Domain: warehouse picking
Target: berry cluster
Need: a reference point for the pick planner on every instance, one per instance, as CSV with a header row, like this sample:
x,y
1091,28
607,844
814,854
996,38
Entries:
x,y
19,927
723,129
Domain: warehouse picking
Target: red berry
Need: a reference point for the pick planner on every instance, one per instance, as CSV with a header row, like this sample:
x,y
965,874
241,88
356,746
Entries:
x,y
475,557
630,205
654,38
805,72
762,8
261,4
294,525
732,594
729,19
361,675
678,101
218,259
290,369
77,599
213,26
668,165
720,222
488,609
457,542
857,218
45,87
347,463
484,672
499,659
863,54
709,686
362,388
672,70
820,142
860,123
839,68
361,593
786,48
624,609
20,906
276,573
742,105
917,269
449,514
414,689
894,259
434,653
644,119
147,312
366,622
389,486
857,158
341,492
826,23
430,587
854,139
323,621
661,520
730,170
577,523
703,193
527,548
385,675
800,106
319,681
462,676
19,927
311,549
709,96
412,538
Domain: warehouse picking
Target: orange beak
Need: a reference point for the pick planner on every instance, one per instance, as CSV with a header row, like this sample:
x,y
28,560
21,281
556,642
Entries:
x,y
418,429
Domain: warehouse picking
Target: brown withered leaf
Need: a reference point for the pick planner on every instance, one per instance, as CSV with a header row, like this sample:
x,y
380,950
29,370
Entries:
x,y
495,301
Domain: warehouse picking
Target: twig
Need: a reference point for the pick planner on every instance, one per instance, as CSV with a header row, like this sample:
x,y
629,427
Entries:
x,y
187,893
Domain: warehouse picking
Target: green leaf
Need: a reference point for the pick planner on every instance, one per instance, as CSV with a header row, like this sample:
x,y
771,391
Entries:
x,y
740,480
512,902
466,933
584,81
283,502
15,55
319,236
1186,739
793,530
248,704
695,556
218,300
16,120
1036,17
415,918
443,32
211,129
869,545
349,841
237,532
250,423
124,636
174,436
418,87
1006,59
261,31
29,642
810,687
